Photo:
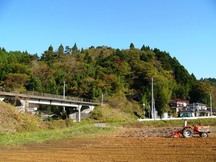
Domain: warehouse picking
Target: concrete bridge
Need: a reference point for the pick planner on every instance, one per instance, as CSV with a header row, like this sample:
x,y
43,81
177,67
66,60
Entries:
x,y
81,107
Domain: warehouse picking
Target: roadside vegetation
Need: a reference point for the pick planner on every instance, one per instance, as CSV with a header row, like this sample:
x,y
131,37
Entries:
x,y
172,123
11,120
77,130
19,128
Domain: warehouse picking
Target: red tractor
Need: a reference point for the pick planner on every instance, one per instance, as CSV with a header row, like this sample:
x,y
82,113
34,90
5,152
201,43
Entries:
x,y
189,131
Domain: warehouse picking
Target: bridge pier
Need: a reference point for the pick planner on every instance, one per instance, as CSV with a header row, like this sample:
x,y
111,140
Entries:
x,y
79,112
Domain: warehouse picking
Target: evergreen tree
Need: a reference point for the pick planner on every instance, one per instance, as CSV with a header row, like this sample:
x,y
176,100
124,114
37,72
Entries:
x,y
60,51
48,55
74,48
106,70
145,48
132,46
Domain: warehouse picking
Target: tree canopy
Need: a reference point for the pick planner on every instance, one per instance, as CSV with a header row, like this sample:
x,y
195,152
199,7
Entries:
x,y
94,71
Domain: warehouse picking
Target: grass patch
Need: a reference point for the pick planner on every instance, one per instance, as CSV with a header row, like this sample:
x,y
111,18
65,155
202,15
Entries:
x,y
107,114
11,120
78,130
87,130
171,123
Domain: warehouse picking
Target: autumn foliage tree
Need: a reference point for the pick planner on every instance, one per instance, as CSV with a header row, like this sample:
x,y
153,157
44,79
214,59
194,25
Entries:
x,y
94,71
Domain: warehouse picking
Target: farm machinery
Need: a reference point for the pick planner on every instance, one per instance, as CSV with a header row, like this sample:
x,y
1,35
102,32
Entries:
x,y
189,131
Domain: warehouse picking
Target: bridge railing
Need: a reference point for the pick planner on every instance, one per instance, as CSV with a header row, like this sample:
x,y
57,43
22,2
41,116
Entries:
x,y
39,94
58,96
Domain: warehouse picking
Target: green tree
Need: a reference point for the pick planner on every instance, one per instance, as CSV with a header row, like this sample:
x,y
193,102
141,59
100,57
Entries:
x,y
60,52
145,48
132,46
16,82
74,49
200,92
48,55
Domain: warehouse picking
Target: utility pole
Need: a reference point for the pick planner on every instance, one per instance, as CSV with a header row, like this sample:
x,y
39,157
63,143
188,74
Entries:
x,y
64,90
144,109
64,95
210,105
102,98
152,102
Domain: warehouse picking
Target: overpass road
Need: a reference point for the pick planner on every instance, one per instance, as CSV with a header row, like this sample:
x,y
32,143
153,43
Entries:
x,y
29,98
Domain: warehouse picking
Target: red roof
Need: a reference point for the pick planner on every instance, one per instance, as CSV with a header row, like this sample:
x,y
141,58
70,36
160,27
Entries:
x,y
179,100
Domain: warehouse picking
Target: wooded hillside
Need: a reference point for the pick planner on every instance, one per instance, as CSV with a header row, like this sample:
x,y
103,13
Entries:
x,y
89,73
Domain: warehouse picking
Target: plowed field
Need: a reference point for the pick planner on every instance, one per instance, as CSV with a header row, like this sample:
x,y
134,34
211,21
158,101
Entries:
x,y
126,145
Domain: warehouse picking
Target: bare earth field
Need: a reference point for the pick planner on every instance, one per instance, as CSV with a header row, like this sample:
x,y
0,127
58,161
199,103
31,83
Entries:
x,y
126,145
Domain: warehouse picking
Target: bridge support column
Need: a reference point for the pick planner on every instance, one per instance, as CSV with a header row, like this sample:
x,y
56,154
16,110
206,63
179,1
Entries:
x,y
64,110
79,112
25,105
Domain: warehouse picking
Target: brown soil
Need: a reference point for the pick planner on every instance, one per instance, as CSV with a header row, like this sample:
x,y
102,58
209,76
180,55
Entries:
x,y
128,144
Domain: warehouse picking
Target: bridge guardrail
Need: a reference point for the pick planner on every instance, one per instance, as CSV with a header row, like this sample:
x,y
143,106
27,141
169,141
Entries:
x,y
35,93
57,96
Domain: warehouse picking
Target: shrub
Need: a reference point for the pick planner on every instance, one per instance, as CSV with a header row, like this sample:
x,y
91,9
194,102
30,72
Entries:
x,y
105,113
55,124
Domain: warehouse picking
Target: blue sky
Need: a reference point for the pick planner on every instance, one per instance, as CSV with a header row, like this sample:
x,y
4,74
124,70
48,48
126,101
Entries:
x,y
184,28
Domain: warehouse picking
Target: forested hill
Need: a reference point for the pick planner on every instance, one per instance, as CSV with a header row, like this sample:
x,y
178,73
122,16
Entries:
x,y
89,73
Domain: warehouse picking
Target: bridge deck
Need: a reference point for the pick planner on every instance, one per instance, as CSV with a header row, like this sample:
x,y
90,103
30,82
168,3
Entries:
x,y
51,97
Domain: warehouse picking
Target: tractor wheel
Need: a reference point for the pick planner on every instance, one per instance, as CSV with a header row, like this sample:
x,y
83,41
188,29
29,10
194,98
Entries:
x,y
203,134
187,133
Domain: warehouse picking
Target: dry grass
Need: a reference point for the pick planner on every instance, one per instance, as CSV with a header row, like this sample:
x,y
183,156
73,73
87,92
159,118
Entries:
x,y
11,120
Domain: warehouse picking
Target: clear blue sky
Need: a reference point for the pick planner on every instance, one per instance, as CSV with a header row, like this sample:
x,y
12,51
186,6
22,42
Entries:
x,y
184,28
